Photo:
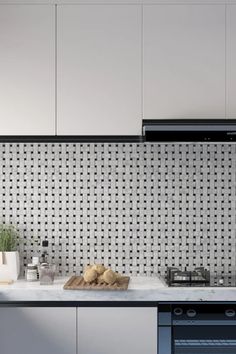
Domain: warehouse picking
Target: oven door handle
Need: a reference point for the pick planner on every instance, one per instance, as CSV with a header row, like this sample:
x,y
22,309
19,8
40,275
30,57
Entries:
x,y
205,323
164,340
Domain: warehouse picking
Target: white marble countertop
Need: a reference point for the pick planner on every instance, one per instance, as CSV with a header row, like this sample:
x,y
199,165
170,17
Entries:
x,y
140,289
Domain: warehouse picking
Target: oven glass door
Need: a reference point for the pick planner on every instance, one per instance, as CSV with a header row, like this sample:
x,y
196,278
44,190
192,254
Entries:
x,y
204,339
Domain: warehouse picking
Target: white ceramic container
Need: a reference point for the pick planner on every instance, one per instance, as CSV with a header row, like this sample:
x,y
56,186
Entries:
x,y
10,265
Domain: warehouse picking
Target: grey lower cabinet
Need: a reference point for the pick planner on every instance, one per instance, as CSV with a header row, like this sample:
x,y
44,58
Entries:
x,y
117,330
37,330
71,330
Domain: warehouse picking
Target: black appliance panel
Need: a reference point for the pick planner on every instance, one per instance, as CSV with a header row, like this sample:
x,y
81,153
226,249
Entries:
x,y
197,329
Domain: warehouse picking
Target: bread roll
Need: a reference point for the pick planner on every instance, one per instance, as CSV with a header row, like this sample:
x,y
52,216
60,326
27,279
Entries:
x,y
100,269
87,267
90,275
100,279
118,275
109,277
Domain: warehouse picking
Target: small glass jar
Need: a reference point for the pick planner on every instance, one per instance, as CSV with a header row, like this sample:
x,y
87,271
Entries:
x,y
47,273
35,261
31,273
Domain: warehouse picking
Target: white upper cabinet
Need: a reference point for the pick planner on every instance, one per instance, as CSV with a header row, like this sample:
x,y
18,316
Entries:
x,y
230,62
99,70
27,71
184,61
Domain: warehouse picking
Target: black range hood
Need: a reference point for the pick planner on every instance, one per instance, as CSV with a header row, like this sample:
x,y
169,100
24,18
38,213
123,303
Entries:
x,y
189,130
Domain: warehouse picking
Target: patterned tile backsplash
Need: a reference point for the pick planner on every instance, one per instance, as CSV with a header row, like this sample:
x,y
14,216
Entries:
x,y
136,207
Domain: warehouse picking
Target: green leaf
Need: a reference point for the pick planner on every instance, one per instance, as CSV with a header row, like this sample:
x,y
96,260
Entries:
x,y
8,238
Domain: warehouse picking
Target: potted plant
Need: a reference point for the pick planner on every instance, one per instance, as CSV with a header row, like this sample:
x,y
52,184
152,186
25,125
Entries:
x,y
9,256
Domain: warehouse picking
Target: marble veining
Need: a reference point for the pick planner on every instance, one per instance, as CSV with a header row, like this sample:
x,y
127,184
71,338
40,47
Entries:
x,y
140,289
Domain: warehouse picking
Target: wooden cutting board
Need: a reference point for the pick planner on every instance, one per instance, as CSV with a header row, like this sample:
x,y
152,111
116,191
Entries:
x,y
78,283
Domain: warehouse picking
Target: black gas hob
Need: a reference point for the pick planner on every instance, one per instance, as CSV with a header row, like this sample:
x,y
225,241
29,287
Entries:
x,y
199,277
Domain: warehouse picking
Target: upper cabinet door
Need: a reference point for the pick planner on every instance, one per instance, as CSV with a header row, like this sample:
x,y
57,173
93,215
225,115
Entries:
x,y
230,63
184,61
27,71
99,70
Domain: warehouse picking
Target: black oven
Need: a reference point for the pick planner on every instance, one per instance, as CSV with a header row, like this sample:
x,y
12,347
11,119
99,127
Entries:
x,y
197,329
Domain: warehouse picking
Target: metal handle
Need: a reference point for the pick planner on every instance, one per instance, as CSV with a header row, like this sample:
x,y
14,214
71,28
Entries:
x,y
214,323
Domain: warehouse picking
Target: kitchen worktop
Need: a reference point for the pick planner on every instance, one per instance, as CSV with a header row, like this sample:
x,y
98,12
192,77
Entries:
x,y
140,289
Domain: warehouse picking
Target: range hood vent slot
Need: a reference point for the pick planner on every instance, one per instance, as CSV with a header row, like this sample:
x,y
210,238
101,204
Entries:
x,y
189,130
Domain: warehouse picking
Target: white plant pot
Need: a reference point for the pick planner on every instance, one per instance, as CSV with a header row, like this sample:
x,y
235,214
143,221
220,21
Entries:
x,y
10,267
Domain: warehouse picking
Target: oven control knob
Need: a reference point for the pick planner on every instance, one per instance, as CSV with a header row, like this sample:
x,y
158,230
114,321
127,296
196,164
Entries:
x,y
191,313
230,313
178,311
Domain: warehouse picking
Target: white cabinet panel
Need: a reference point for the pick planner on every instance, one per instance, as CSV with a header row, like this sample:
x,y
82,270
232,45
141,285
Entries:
x,y
99,70
230,63
118,1
184,61
32,330
27,69
117,330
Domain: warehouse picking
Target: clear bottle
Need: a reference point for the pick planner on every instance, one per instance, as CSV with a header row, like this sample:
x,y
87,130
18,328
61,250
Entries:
x,y
31,273
35,261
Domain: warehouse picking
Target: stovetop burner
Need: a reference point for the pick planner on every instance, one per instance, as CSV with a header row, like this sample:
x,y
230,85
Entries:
x,y
198,277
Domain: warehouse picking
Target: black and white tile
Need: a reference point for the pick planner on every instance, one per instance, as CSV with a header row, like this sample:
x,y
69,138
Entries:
x,y
135,207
